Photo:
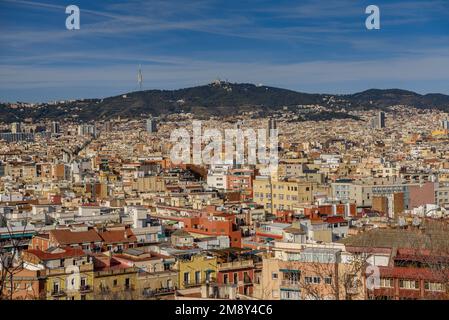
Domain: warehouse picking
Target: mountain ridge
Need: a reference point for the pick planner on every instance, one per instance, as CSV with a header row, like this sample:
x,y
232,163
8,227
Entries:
x,y
222,98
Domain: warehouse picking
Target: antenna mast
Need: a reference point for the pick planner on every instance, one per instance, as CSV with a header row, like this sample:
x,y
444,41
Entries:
x,y
140,77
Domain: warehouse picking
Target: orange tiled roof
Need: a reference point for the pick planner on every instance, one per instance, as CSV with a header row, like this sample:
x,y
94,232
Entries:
x,y
118,236
67,237
67,253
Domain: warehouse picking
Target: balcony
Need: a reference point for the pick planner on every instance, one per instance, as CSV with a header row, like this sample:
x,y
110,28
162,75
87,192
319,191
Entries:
x,y
352,290
290,284
158,292
58,293
236,265
85,289
129,287
197,283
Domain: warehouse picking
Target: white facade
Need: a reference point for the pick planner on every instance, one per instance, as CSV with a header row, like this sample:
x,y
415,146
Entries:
x,y
217,177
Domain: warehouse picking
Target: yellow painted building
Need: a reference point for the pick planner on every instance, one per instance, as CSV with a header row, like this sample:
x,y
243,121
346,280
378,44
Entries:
x,y
196,270
70,283
282,194
116,283
67,273
443,132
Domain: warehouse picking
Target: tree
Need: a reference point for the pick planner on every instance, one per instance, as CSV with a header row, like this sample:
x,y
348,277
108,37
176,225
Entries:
x,y
10,261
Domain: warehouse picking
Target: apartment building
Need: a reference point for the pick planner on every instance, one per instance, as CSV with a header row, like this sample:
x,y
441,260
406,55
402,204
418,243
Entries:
x,y
195,270
155,276
363,192
68,272
241,180
217,177
442,195
114,279
306,272
282,194
410,268
148,184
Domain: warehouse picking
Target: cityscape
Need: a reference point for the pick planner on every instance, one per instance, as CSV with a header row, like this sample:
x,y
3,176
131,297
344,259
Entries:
x,y
225,190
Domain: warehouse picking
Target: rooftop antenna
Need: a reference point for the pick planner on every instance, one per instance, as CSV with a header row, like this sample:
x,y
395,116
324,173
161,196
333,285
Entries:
x,y
140,77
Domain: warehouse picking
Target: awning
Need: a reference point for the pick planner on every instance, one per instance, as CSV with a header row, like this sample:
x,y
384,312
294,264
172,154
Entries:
x,y
289,289
289,270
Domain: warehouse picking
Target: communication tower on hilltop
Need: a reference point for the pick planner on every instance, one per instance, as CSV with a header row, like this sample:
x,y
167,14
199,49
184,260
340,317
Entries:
x,y
140,77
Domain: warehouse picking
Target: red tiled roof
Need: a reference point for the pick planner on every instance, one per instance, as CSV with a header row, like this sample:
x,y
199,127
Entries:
x,y
118,236
335,219
412,273
68,253
136,259
422,255
68,237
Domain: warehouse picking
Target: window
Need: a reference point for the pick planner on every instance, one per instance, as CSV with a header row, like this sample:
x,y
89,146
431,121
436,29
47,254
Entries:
x,y
290,295
55,287
328,280
186,277
197,277
408,284
274,275
127,283
386,283
313,280
226,279
103,286
236,278
115,283
433,286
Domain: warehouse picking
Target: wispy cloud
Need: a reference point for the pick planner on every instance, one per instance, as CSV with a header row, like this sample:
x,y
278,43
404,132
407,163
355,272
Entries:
x,y
296,44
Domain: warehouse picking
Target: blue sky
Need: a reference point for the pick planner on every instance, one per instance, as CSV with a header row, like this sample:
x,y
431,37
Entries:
x,y
304,45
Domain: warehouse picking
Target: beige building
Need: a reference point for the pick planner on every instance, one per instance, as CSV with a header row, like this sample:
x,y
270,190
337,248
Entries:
x,y
148,184
282,194
309,272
